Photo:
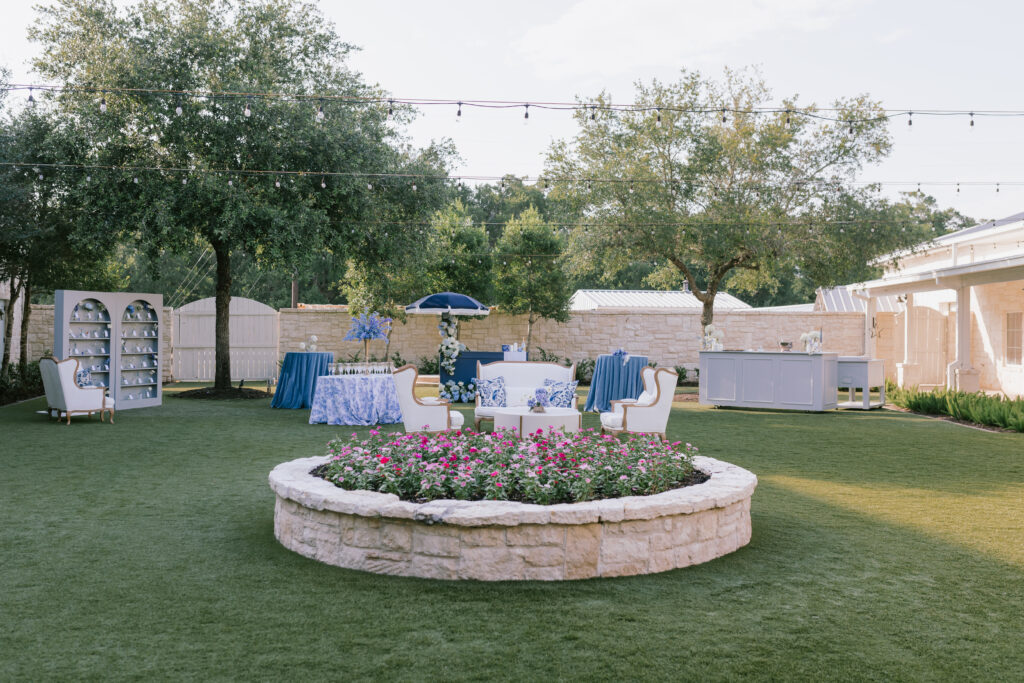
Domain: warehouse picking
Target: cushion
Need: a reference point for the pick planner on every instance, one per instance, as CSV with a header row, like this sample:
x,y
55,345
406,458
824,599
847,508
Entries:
x,y
562,394
646,398
516,396
457,419
611,420
431,400
491,391
83,378
485,411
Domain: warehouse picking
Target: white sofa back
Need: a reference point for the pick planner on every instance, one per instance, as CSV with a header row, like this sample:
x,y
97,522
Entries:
x,y
522,377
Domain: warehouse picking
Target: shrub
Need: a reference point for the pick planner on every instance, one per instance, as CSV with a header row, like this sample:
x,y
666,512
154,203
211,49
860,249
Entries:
x,y
428,365
681,371
544,468
995,411
545,357
585,370
20,383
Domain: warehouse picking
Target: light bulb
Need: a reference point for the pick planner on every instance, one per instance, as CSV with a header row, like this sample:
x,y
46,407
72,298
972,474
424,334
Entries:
x,y
323,183
320,112
972,120
593,113
177,108
369,186
526,114
135,180
277,183
458,114
910,121
391,109
787,117
230,183
184,181
414,187
103,105
31,100
657,121
88,178
248,111
723,116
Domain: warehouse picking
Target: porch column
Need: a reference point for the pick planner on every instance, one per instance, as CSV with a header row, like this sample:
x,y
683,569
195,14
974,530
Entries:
x,y
906,372
870,309
961,374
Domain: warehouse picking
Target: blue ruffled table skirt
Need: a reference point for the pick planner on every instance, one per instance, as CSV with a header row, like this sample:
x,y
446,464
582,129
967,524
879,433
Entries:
x,y
355,400
614,380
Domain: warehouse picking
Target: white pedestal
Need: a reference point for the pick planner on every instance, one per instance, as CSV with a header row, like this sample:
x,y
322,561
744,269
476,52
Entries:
x,y
856,372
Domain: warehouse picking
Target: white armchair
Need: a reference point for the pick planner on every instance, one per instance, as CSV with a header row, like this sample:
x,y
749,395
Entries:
x,y
650,390
64,396
422,415
649,417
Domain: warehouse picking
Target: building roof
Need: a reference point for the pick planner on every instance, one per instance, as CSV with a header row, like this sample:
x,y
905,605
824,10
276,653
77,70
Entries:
x,y
595,299
842,300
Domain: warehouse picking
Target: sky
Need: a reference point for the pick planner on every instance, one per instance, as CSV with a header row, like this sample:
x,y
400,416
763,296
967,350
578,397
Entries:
x,y
907,55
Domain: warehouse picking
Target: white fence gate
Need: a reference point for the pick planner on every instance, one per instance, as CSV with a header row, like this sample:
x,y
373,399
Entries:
x,y
253,329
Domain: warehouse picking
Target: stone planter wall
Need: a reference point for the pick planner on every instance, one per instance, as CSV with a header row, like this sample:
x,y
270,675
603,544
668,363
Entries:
x,y
496,541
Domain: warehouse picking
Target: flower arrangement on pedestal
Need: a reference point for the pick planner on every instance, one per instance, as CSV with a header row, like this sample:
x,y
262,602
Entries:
x,y
811,341
366,327
450,347
309,344
712,340
621,354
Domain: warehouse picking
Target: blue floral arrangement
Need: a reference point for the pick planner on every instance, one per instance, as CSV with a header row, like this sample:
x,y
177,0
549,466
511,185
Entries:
x,y
368,326
458,392
621,354
540,398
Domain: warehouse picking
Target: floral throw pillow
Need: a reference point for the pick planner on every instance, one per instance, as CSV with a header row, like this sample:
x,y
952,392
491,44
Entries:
x,y
83,378
491,392
562,394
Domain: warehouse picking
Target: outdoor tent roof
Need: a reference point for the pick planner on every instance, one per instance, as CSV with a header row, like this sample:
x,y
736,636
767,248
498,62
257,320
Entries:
x,y
594,299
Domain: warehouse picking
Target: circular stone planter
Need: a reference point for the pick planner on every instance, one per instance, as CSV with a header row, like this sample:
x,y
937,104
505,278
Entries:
x,y
497,541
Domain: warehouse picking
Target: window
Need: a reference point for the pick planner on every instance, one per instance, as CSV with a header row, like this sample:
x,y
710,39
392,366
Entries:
x,y
1014,337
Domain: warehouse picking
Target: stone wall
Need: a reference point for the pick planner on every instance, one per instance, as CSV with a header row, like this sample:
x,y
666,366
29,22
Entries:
x,y
500,541
40,335
667,337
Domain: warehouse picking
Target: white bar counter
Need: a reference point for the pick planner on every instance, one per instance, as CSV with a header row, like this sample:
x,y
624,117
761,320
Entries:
x,y
859,372
769,379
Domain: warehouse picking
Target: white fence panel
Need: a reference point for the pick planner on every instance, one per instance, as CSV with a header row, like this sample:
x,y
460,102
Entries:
x,y
254,335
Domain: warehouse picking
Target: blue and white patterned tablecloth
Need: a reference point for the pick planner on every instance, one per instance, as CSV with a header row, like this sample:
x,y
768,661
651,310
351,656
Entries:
x,y
355,400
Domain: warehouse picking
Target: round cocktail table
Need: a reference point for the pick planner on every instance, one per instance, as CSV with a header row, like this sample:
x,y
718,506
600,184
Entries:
x,y
565,420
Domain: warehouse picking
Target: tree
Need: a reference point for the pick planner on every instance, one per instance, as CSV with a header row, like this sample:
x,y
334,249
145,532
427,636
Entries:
x,y
701,185
42,244
529,278
194,50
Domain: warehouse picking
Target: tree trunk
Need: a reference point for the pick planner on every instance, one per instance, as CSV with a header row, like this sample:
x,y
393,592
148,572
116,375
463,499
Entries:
x,y
26,306
222,353
707,314
529,330
5,364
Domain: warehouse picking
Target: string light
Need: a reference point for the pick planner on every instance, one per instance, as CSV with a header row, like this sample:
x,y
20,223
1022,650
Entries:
x,y
458,114
787,117
723,116
31,100
972,120
593,112
320,111
391,110
323,182
851,127
910,120
248,111
657,121
526,114
177,107
103,104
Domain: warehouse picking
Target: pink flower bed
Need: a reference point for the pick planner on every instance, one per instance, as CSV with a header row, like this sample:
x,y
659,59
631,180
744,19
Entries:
x,y
544,468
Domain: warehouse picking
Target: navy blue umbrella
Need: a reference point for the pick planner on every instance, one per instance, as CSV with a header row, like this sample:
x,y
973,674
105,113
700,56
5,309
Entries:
x,y
447,302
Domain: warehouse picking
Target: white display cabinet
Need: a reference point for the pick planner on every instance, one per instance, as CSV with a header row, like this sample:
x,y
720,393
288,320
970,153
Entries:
x,y
116,337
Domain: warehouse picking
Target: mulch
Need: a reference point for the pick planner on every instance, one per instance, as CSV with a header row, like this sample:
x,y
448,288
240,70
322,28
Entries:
x,y
234,392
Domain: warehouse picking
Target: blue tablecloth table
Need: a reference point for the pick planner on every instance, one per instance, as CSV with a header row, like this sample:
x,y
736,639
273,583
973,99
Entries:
x,y
614,380
298,378
355,400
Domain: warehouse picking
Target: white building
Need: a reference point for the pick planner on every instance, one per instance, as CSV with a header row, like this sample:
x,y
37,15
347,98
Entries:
x,y
963,296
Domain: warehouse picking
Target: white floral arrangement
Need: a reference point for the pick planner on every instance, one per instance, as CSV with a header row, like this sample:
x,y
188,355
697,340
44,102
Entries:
x,y
712,338
450,347
811,341
310,344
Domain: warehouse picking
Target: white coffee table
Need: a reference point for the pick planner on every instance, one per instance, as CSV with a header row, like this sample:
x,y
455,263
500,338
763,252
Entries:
x,y
524,421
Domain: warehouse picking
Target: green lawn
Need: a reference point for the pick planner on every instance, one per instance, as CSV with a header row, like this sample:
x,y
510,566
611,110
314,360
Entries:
x,y
885,546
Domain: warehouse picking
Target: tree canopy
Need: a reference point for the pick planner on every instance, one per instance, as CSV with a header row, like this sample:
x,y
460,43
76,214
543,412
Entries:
x,y
225,198
703,187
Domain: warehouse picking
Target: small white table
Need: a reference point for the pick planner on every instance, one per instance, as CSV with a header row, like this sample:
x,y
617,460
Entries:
x,y
524,421
858,372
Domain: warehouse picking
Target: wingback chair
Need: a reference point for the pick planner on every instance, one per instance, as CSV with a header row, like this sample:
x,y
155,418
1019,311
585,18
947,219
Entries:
x,y
646,398
65,397
422,414
648,417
